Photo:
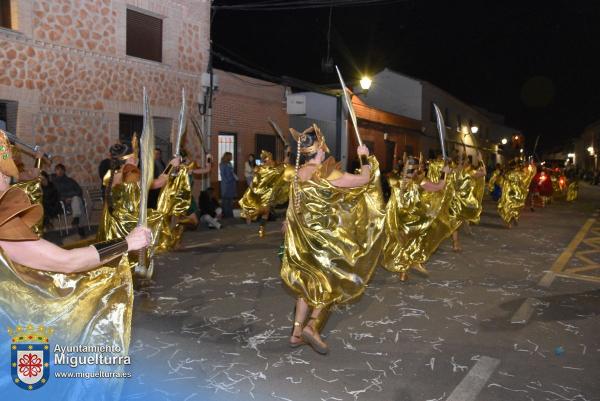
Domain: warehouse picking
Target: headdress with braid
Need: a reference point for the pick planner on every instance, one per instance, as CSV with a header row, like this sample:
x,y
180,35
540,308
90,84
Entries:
x,y
318,144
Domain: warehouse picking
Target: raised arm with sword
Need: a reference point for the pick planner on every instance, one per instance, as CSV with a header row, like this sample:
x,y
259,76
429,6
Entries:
x,y
181,125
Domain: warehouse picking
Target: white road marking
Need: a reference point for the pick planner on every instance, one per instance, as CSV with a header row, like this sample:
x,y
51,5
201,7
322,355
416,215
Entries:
x,y
472,384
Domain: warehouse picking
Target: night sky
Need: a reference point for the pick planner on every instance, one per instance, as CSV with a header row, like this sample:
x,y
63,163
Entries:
x,y
537,63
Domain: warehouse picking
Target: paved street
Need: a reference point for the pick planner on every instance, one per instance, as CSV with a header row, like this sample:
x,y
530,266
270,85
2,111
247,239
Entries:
x,y
216,322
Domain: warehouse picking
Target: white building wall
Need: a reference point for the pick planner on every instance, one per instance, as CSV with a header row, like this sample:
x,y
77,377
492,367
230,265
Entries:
x,y
396,93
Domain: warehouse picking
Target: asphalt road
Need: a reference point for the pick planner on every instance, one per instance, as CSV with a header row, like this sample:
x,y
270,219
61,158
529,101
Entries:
x,y
489,324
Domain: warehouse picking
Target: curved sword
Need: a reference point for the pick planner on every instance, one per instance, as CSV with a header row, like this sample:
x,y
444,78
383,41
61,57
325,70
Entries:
x,y
441,127
147,174
278,131
180,125
349,106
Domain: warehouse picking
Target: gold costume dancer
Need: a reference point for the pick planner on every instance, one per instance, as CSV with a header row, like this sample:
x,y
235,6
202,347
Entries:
x,y
515,186
573,180
467,200
84,294
122,200
269,188
409,216
189,217
333,234
572,191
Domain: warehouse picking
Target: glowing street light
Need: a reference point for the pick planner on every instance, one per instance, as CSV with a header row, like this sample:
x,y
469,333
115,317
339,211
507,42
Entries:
x,y
521,150
590,150
365,83
474,129
504,141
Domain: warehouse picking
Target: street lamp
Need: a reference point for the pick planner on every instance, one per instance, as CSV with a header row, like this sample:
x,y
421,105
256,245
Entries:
x,y
521,150
590,150
365,83
474,129
504,141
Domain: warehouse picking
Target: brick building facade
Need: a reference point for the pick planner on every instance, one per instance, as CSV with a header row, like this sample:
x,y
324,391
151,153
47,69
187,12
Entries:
x,y
387,135
68,74
241,109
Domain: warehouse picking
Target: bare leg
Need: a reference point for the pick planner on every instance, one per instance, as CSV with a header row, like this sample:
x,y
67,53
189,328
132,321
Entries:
x,y
299,318
455,244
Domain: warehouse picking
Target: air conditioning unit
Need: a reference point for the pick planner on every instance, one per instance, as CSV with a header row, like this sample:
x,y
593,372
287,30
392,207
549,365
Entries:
x,y
296,104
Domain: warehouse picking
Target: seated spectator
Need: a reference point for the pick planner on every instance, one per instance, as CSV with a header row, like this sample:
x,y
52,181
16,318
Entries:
x,y
70,193
209,209
50,200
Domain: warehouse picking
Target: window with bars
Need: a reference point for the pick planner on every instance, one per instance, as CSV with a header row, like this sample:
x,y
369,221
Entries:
x,y
5,19
227,143
144,36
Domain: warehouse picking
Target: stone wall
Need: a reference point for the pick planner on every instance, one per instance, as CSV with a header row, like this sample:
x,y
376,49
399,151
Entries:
x,y
64,62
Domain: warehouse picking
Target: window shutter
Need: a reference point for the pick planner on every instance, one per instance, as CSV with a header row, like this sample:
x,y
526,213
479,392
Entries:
x,y
144,36
5,20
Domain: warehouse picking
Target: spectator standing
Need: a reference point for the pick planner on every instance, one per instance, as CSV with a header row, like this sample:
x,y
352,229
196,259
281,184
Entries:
x,y
228,184
249,169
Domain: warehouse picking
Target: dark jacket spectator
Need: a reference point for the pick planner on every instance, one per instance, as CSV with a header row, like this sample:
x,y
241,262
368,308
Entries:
x,y
66,186
50,198
207,203
228,184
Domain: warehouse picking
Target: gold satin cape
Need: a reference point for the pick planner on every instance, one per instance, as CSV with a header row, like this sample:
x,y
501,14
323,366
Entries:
x,y
494,179
409,216
270,187
468,194
333,242
515,187
174,200
33,189
460,201
91,308
572,191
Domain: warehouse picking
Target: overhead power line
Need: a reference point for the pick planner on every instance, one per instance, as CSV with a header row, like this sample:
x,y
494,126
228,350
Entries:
x,y
278,5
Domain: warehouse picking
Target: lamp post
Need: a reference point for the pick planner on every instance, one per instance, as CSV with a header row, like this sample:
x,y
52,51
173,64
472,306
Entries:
x,y
504,141
474,129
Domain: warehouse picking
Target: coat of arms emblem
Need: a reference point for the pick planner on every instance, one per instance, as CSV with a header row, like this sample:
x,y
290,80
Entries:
x,y
30,356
